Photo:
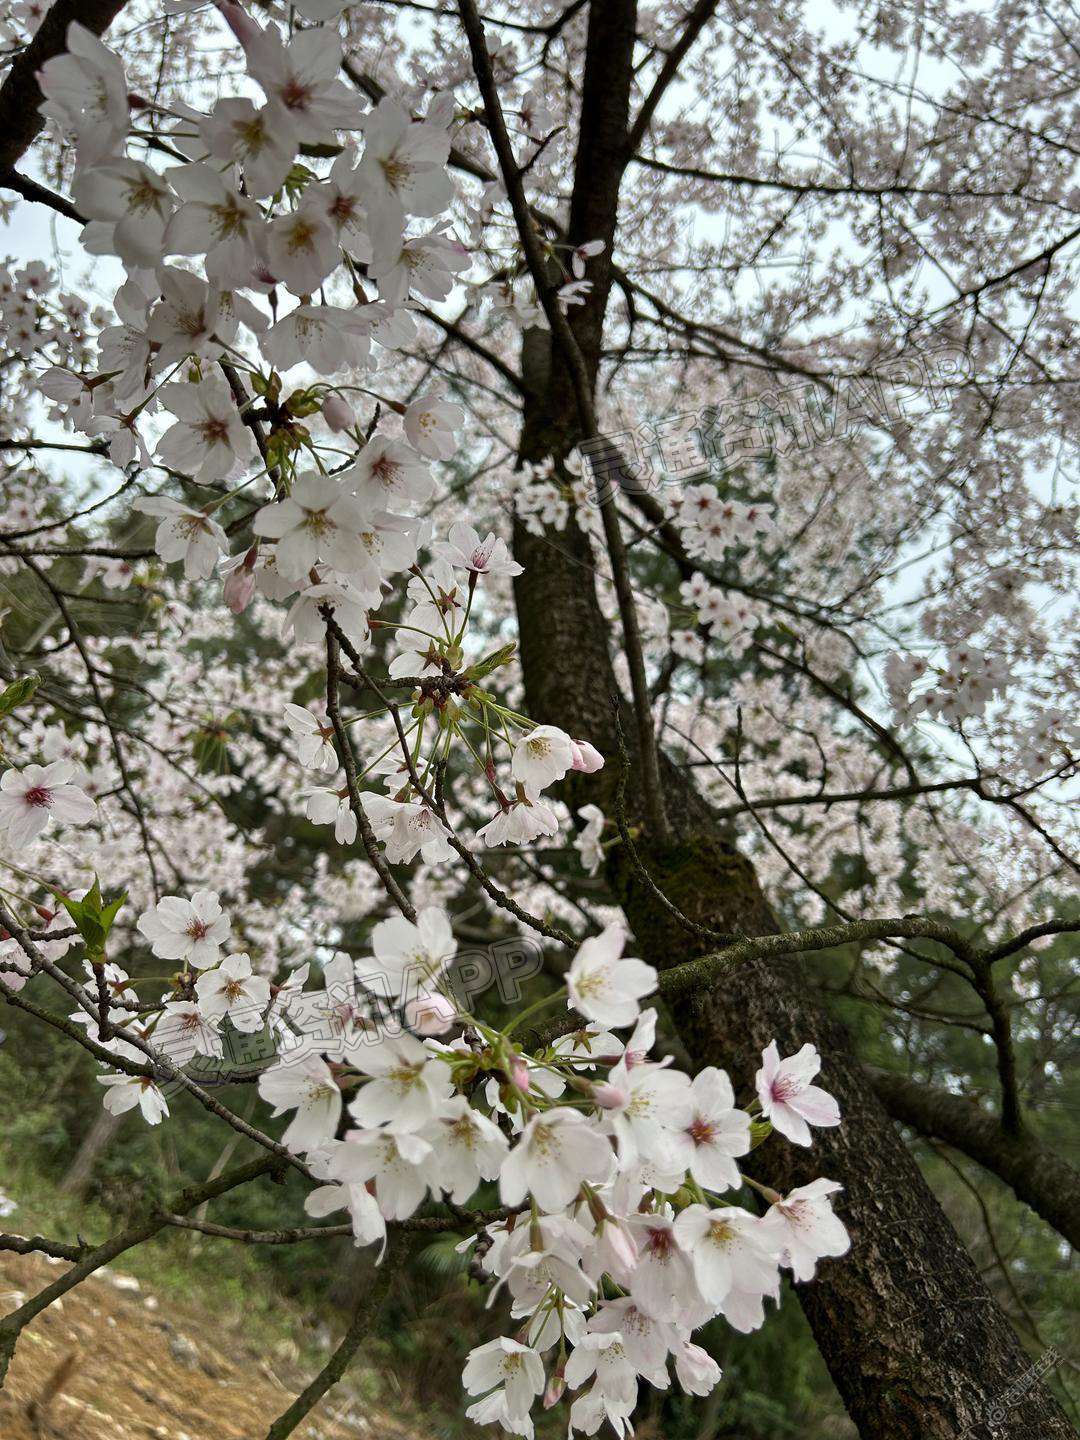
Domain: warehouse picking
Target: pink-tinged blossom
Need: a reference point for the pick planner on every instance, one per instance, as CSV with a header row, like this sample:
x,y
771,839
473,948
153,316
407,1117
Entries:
x,y
695,1369
300,78
338,414
523,821
464,550
586,757
663,1280
657,1106
788,1098
804,1229
715,1133
388,471
35,795
301,250
326,337
348,605
408,829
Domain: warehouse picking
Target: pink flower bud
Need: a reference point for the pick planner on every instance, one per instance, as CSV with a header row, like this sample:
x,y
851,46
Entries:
x,y
240,584
243,27
430,1014
586,757
337,414
617,1247
609,1097
553,1391
519,1074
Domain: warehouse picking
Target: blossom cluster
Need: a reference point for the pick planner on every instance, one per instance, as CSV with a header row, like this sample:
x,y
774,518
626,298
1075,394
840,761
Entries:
x,y
615,1170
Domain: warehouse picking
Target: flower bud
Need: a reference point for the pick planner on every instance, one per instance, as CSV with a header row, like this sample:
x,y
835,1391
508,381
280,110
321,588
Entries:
x,y
243,27
337,413
608,1096
519,1074
586,757
238,590
553,1391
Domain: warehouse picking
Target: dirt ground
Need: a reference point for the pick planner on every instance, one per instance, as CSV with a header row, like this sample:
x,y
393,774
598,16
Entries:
x,y
107,1363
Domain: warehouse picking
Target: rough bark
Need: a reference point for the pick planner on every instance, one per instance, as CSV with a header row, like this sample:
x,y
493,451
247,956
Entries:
x,y
1037,1174
912,1337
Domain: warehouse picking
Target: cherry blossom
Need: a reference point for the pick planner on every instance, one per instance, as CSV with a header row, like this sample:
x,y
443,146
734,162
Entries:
x,y
304,1084
604,985
788,1098
189,930
185,534
232,990
804,1229
407,1085
464,550
209,441
431,424
556,1152
315,749
124,1092
36,795
542,756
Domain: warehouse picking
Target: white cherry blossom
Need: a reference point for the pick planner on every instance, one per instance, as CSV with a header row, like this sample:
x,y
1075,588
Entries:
x,y
34,796
604,985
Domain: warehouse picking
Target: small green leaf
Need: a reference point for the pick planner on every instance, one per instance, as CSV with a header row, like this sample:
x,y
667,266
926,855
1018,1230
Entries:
x,y
759,1130
18,692
491,662
92,919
